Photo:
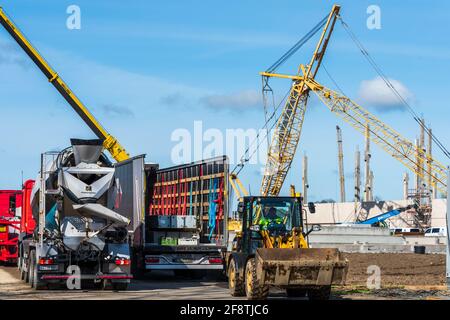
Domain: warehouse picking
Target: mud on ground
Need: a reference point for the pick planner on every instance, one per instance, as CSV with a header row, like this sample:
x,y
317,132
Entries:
x,y
398,269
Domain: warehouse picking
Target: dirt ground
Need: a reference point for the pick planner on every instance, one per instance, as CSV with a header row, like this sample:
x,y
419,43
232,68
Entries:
x,y
398,270
403,277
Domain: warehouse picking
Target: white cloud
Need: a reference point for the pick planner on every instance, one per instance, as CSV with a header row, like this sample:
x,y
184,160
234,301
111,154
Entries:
x,y
235,101
10,54
378,95
113,110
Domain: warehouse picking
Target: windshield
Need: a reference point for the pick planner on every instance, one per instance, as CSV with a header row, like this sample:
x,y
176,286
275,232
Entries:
x,y
271,212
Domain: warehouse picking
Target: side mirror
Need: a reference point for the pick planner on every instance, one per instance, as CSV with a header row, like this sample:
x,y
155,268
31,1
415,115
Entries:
x,y
311,207
315,228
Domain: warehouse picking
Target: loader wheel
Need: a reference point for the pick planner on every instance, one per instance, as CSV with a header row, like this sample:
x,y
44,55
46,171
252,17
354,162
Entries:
x,y
253,289
296,292
320,293
235,284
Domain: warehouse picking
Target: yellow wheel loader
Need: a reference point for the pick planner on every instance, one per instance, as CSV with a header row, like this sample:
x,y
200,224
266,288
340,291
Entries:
x,y
271,250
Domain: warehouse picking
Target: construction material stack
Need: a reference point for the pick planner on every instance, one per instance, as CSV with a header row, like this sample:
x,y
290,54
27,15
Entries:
x,y
186,216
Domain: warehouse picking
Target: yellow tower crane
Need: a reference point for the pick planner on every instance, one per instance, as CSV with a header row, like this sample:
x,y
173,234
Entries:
x,y
289,125
109,142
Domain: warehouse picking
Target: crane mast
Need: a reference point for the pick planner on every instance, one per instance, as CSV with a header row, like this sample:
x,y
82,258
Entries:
x,y
288,128
340,163
109,142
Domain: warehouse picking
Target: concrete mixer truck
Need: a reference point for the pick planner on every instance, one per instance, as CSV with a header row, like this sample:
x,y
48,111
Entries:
x,y
80,239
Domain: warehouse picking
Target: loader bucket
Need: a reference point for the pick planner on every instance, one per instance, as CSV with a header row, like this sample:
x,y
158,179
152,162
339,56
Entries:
x,y
300,267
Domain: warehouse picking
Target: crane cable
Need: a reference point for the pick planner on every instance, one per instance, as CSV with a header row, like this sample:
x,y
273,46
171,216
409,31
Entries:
x,y
297,46
266,88
237,169
391,86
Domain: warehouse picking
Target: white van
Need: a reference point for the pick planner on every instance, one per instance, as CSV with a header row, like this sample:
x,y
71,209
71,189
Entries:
x,y
406,231
436,232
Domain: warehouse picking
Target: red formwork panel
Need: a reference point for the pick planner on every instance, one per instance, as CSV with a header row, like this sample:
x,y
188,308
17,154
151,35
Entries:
x,y
197,189
10,214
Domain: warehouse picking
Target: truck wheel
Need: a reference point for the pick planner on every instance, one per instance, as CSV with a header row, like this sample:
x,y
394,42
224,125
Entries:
x,y
120,286
30,269
253,289
235,284
197,274
27,273
19,260
37,283
321,293
137,267
23,272
296,292
181,273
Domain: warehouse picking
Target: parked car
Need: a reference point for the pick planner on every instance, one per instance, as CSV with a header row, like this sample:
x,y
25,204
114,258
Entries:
x,y
407,231
436,232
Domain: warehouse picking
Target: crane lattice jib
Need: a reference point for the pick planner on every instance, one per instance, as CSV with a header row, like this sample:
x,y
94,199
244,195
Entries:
x,y
285,140
383,135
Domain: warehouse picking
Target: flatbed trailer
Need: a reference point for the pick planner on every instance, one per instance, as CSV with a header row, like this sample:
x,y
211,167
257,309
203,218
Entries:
x,y
181,215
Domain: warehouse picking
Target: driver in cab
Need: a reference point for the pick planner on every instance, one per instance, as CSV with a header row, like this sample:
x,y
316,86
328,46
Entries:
x,y
271,221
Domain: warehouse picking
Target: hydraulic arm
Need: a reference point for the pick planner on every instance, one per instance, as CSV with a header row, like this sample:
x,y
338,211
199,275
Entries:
x,y
109,142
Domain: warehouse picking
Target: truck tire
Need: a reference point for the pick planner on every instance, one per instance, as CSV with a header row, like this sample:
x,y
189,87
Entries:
x,y
19,260
27,273
190,274
37,283
235,284
137,267
296,292
120,286
253,289
23,272
30,268
320,293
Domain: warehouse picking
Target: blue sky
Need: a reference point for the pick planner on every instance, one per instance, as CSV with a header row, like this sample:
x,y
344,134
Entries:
x,y
149,68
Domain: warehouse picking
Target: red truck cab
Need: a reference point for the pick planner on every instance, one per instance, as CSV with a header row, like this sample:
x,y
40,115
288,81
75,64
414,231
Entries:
x,y
10,215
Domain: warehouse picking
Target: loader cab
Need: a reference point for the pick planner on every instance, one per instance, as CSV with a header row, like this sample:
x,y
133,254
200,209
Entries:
x,y
277,215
